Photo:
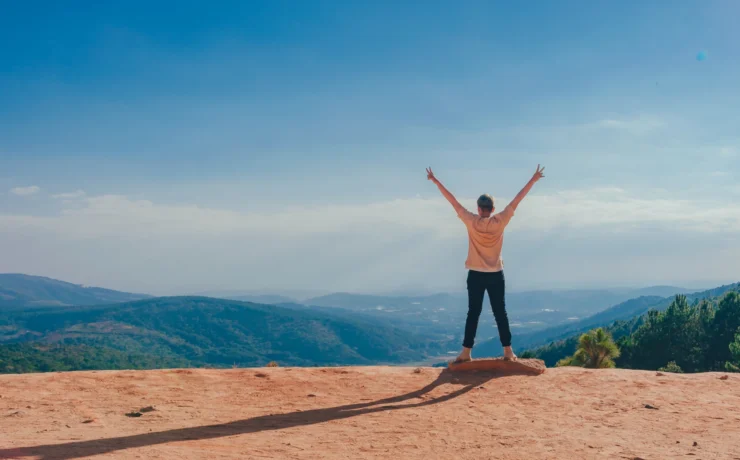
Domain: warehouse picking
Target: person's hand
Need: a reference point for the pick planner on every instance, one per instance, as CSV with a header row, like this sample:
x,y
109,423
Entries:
x,y
538,175
430,175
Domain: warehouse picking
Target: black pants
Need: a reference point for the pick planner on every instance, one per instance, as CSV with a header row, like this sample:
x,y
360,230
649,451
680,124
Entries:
x,y
478,284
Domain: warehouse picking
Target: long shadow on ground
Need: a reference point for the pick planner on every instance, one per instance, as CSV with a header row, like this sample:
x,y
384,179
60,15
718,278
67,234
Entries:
x,y
79,449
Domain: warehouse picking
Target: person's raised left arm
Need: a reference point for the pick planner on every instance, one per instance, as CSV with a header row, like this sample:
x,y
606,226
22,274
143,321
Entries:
x,y
520,196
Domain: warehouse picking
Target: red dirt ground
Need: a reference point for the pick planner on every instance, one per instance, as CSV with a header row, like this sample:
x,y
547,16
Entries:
x,y
369,412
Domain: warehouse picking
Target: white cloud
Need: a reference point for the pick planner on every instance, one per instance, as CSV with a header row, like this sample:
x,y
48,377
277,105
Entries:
x,y
69,195
25,191
641,124
613,208
564,237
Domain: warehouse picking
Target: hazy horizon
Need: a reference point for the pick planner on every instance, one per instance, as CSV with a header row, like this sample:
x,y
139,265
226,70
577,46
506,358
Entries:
x,y
269,146
301,294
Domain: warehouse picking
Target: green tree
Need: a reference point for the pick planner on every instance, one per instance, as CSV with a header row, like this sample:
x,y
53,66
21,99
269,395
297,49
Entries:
x,y
734,365
705,318
626,350
677,334
596,350
724,328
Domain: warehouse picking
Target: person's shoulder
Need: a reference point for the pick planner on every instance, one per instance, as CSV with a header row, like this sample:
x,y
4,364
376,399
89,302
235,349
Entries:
x,y
508,211
504,215
463,213
467,217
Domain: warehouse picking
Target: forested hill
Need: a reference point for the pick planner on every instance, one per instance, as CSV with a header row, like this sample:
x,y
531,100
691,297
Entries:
x,y
17,290
217,332
703,335
625,311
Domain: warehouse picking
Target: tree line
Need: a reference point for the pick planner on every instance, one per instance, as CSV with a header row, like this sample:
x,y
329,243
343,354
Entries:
x,y
21,358
699,337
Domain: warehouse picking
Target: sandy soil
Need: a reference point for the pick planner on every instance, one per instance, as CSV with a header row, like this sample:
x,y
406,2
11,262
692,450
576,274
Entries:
x,y
369,412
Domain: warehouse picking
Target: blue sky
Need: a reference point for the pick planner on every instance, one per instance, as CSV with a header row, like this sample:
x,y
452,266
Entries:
x,y
157,147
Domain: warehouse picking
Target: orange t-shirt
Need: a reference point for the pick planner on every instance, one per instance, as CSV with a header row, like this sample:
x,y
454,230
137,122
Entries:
x,y
486,238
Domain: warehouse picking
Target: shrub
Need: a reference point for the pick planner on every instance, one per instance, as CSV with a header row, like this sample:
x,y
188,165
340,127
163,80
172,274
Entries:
x,y
671,367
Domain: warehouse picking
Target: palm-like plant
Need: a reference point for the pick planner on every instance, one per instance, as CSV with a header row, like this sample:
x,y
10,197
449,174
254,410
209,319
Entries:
x,y
596,350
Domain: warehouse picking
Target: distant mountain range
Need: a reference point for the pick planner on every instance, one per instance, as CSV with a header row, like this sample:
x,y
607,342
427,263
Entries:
x,y
40,313
17,290
266,299
444,314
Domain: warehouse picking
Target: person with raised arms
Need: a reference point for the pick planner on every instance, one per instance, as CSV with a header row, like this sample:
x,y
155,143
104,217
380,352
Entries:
x,y
484,263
